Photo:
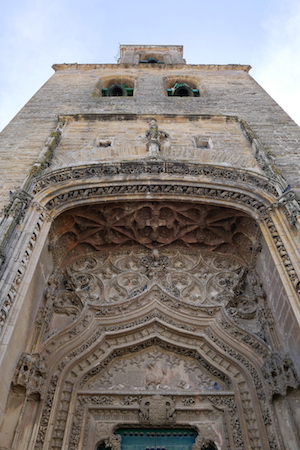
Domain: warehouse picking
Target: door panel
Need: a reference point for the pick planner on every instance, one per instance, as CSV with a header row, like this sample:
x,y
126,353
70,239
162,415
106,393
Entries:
x,y
157,439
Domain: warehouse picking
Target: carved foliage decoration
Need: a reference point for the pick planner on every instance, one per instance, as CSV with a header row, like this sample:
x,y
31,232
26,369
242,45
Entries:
x,y
154,225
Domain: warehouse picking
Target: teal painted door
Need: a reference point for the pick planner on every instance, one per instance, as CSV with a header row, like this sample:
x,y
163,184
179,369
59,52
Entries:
x,y
157,439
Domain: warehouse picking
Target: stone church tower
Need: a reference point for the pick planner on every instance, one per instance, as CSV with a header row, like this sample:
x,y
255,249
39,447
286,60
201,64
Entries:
x,y
150,261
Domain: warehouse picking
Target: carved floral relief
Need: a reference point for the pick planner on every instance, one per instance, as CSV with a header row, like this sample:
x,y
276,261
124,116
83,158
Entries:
x,y
155,369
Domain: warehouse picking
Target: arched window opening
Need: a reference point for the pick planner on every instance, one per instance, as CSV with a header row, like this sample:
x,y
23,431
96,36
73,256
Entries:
x,y
151,60
182,90
117,90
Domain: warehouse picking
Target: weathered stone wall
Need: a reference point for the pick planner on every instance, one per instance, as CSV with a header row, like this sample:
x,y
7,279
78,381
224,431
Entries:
x,y
224,90
279,303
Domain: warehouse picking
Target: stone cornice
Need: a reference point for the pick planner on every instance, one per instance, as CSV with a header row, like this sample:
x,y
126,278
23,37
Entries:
x,y
197,67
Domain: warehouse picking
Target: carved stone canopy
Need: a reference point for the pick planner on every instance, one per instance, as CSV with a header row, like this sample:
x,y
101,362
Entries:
x,y
153,225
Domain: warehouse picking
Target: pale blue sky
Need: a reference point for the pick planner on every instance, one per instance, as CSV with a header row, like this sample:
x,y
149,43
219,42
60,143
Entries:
x,y
35,34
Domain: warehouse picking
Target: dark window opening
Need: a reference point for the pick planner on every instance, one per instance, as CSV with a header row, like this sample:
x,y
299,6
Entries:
x,y
151,60
117,90
182,90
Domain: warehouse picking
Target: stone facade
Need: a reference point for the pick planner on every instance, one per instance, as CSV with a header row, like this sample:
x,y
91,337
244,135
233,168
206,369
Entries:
x,y
150,269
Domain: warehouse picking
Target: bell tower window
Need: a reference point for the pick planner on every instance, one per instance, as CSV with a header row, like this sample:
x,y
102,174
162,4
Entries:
x,y
182,90
151,60
117,90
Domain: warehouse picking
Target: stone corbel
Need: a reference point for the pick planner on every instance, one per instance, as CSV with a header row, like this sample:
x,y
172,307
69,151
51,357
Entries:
x,y
104,434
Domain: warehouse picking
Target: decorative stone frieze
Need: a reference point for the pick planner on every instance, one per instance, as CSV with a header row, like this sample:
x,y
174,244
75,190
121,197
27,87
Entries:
x,y
207,172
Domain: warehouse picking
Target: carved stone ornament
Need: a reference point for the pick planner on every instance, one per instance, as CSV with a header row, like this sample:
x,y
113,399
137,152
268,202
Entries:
x,y
203,442
126,279
157,410
155,370
30,374
154,138
154,225
113,442
280,374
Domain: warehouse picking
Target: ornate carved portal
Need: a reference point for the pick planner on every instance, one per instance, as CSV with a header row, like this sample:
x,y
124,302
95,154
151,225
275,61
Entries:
x,y
154,317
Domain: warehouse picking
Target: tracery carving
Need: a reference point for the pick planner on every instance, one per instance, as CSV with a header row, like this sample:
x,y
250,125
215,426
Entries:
x,y
114,282
259,388
154,225
184,352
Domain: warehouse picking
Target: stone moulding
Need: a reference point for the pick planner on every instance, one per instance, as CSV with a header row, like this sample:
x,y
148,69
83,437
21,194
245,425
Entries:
x,y
139,168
